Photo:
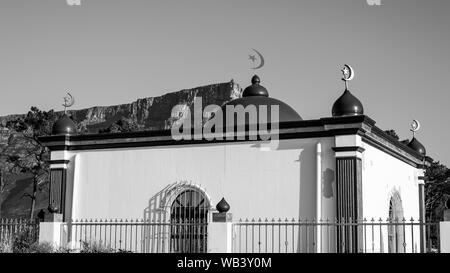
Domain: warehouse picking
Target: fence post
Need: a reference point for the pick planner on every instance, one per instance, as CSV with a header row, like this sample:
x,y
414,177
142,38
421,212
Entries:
x,y
220,233
444,231
53,231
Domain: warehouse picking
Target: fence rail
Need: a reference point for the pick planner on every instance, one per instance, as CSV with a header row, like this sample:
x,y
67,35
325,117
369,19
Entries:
x,y
364,236
139,236
11,228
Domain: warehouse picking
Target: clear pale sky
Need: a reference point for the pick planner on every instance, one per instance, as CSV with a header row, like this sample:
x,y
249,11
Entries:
x,y
110,52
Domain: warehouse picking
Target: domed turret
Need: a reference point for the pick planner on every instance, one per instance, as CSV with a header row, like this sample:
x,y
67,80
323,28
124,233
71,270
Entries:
x,y
417,146
347,105
64,126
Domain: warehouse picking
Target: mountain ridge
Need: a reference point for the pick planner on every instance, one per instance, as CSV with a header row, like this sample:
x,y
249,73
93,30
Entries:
x,y
151,113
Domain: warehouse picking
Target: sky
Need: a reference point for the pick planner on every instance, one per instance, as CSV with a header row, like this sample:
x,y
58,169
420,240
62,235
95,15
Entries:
x,y
108,52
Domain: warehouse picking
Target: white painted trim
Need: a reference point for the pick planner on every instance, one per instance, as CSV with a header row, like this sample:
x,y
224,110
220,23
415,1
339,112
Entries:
x,y
58,166
318,194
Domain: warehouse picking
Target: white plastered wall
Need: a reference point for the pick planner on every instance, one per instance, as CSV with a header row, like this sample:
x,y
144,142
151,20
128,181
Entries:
x,y
382,176
120,183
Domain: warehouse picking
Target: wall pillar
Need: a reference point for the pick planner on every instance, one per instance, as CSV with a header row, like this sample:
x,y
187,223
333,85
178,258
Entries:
x,y
349,199
58,185
220,233
422,219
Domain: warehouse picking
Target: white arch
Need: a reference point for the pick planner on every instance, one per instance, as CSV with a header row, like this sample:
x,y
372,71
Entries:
x,y
177,188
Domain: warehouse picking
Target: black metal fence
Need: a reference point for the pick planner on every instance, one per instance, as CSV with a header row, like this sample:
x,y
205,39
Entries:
x,y
13,228
139,236
326,236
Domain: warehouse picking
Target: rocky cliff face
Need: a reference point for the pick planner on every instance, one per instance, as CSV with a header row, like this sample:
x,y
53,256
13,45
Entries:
x,y
154,113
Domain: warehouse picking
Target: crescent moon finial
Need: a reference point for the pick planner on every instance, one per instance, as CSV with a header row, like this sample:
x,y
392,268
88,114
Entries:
x,y
69,101
261,59
415,126
348,74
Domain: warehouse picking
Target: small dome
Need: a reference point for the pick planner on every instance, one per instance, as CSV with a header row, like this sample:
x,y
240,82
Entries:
x,y
347,105
257,95
64,126
255,89
417,146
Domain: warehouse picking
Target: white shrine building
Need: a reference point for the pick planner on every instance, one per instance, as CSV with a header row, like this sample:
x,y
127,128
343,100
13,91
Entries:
x,y
337,167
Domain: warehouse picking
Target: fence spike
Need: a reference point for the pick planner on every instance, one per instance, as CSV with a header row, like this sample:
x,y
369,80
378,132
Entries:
x,y
259,220
293,220
412,219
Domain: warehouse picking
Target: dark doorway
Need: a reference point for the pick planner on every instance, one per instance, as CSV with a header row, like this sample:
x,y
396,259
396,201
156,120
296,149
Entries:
x,y
189,220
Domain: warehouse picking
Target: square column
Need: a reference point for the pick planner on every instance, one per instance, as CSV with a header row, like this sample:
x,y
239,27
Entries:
x,y
349,203
220,233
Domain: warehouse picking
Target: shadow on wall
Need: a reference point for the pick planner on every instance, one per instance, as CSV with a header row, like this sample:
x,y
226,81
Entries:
x,y
158,209
155,210
327,183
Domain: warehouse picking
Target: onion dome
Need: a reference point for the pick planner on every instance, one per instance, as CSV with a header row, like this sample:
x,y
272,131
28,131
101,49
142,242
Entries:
x,y
417,146
347,105
64,126
258,95
223,206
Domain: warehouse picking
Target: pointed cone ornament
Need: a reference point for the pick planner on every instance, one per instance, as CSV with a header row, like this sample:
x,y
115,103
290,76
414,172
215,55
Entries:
x,y
222,206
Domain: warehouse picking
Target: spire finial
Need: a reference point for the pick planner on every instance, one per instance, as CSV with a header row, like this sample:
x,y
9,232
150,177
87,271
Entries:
x,y
348,73
223,206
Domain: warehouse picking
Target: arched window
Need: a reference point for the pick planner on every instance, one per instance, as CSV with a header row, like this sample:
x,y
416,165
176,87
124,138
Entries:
x,y
189,220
